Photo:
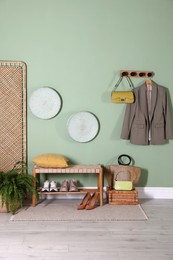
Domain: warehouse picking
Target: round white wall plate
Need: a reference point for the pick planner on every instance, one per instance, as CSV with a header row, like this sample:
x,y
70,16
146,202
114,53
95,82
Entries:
x,y
45,103
83,126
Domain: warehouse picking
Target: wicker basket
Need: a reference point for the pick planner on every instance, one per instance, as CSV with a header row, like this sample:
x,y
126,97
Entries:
x,y
122,173
116,197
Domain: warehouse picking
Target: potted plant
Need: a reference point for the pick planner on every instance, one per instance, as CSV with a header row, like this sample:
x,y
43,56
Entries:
x,y
15,185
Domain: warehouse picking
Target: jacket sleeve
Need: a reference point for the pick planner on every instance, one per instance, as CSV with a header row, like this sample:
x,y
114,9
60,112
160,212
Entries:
x,y
168,121
128,119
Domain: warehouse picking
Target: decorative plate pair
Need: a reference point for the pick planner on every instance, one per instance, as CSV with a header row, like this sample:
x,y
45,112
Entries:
x,y
46,103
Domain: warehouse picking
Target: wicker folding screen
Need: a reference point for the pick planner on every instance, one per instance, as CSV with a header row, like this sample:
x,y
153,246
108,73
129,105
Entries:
x,y
12,114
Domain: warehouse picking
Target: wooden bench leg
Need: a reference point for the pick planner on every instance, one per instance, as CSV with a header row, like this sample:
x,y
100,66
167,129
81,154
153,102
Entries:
x,y
100,186
33,195
33,200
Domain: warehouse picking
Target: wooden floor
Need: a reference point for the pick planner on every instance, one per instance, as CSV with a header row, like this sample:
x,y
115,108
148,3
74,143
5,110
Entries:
x,y
120,240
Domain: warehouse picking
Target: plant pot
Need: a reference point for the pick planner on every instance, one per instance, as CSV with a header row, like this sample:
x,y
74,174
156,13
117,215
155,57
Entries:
x,y
3,209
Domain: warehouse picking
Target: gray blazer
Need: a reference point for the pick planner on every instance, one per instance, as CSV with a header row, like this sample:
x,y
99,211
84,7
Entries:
x,y
137,123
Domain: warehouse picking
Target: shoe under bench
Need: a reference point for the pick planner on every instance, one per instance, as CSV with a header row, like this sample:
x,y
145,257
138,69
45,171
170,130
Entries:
x,y
79,169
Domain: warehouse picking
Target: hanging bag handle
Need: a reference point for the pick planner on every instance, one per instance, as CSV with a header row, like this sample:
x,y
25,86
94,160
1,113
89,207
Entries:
x,y
128,80
121,162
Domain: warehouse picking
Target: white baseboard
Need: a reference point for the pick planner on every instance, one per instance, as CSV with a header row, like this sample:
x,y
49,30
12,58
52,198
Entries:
x,y
143,193
155,192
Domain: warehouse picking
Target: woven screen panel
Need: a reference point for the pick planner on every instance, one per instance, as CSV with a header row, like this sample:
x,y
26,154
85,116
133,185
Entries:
x,y
12,114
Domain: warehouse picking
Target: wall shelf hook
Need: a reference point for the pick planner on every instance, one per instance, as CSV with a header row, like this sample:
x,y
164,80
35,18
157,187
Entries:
x,y
136,74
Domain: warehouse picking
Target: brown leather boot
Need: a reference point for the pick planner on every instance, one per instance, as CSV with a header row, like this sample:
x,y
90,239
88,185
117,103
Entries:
x,y
85,200
93,201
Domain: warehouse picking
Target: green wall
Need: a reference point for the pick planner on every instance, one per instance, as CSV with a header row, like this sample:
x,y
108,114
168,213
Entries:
x,y
78,47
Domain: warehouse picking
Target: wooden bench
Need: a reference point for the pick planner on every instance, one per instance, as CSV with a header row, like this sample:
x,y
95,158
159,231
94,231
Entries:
x,y
76,169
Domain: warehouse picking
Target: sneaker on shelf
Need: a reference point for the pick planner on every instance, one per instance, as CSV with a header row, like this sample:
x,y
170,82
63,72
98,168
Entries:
x,y
73,186
64,186
45,187
53,186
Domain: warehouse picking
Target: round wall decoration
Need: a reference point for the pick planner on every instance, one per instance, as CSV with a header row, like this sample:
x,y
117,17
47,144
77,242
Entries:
x,y
45,103
83,126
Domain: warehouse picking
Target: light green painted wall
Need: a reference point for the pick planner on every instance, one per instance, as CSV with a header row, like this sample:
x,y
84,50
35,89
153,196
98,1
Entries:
x,y
78,47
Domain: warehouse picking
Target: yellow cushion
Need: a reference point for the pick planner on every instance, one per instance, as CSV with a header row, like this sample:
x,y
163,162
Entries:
x,y
51,160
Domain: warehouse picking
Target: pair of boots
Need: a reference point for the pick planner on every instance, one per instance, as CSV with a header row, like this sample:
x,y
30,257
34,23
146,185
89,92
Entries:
x,y
89,201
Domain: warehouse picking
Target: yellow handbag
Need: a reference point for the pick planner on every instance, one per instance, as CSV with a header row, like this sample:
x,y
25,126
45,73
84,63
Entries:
x,y
122,97
123,185
127,97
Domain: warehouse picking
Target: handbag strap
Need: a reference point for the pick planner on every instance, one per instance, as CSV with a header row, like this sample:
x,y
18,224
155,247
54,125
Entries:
x,y
130,83
120,159
128,80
